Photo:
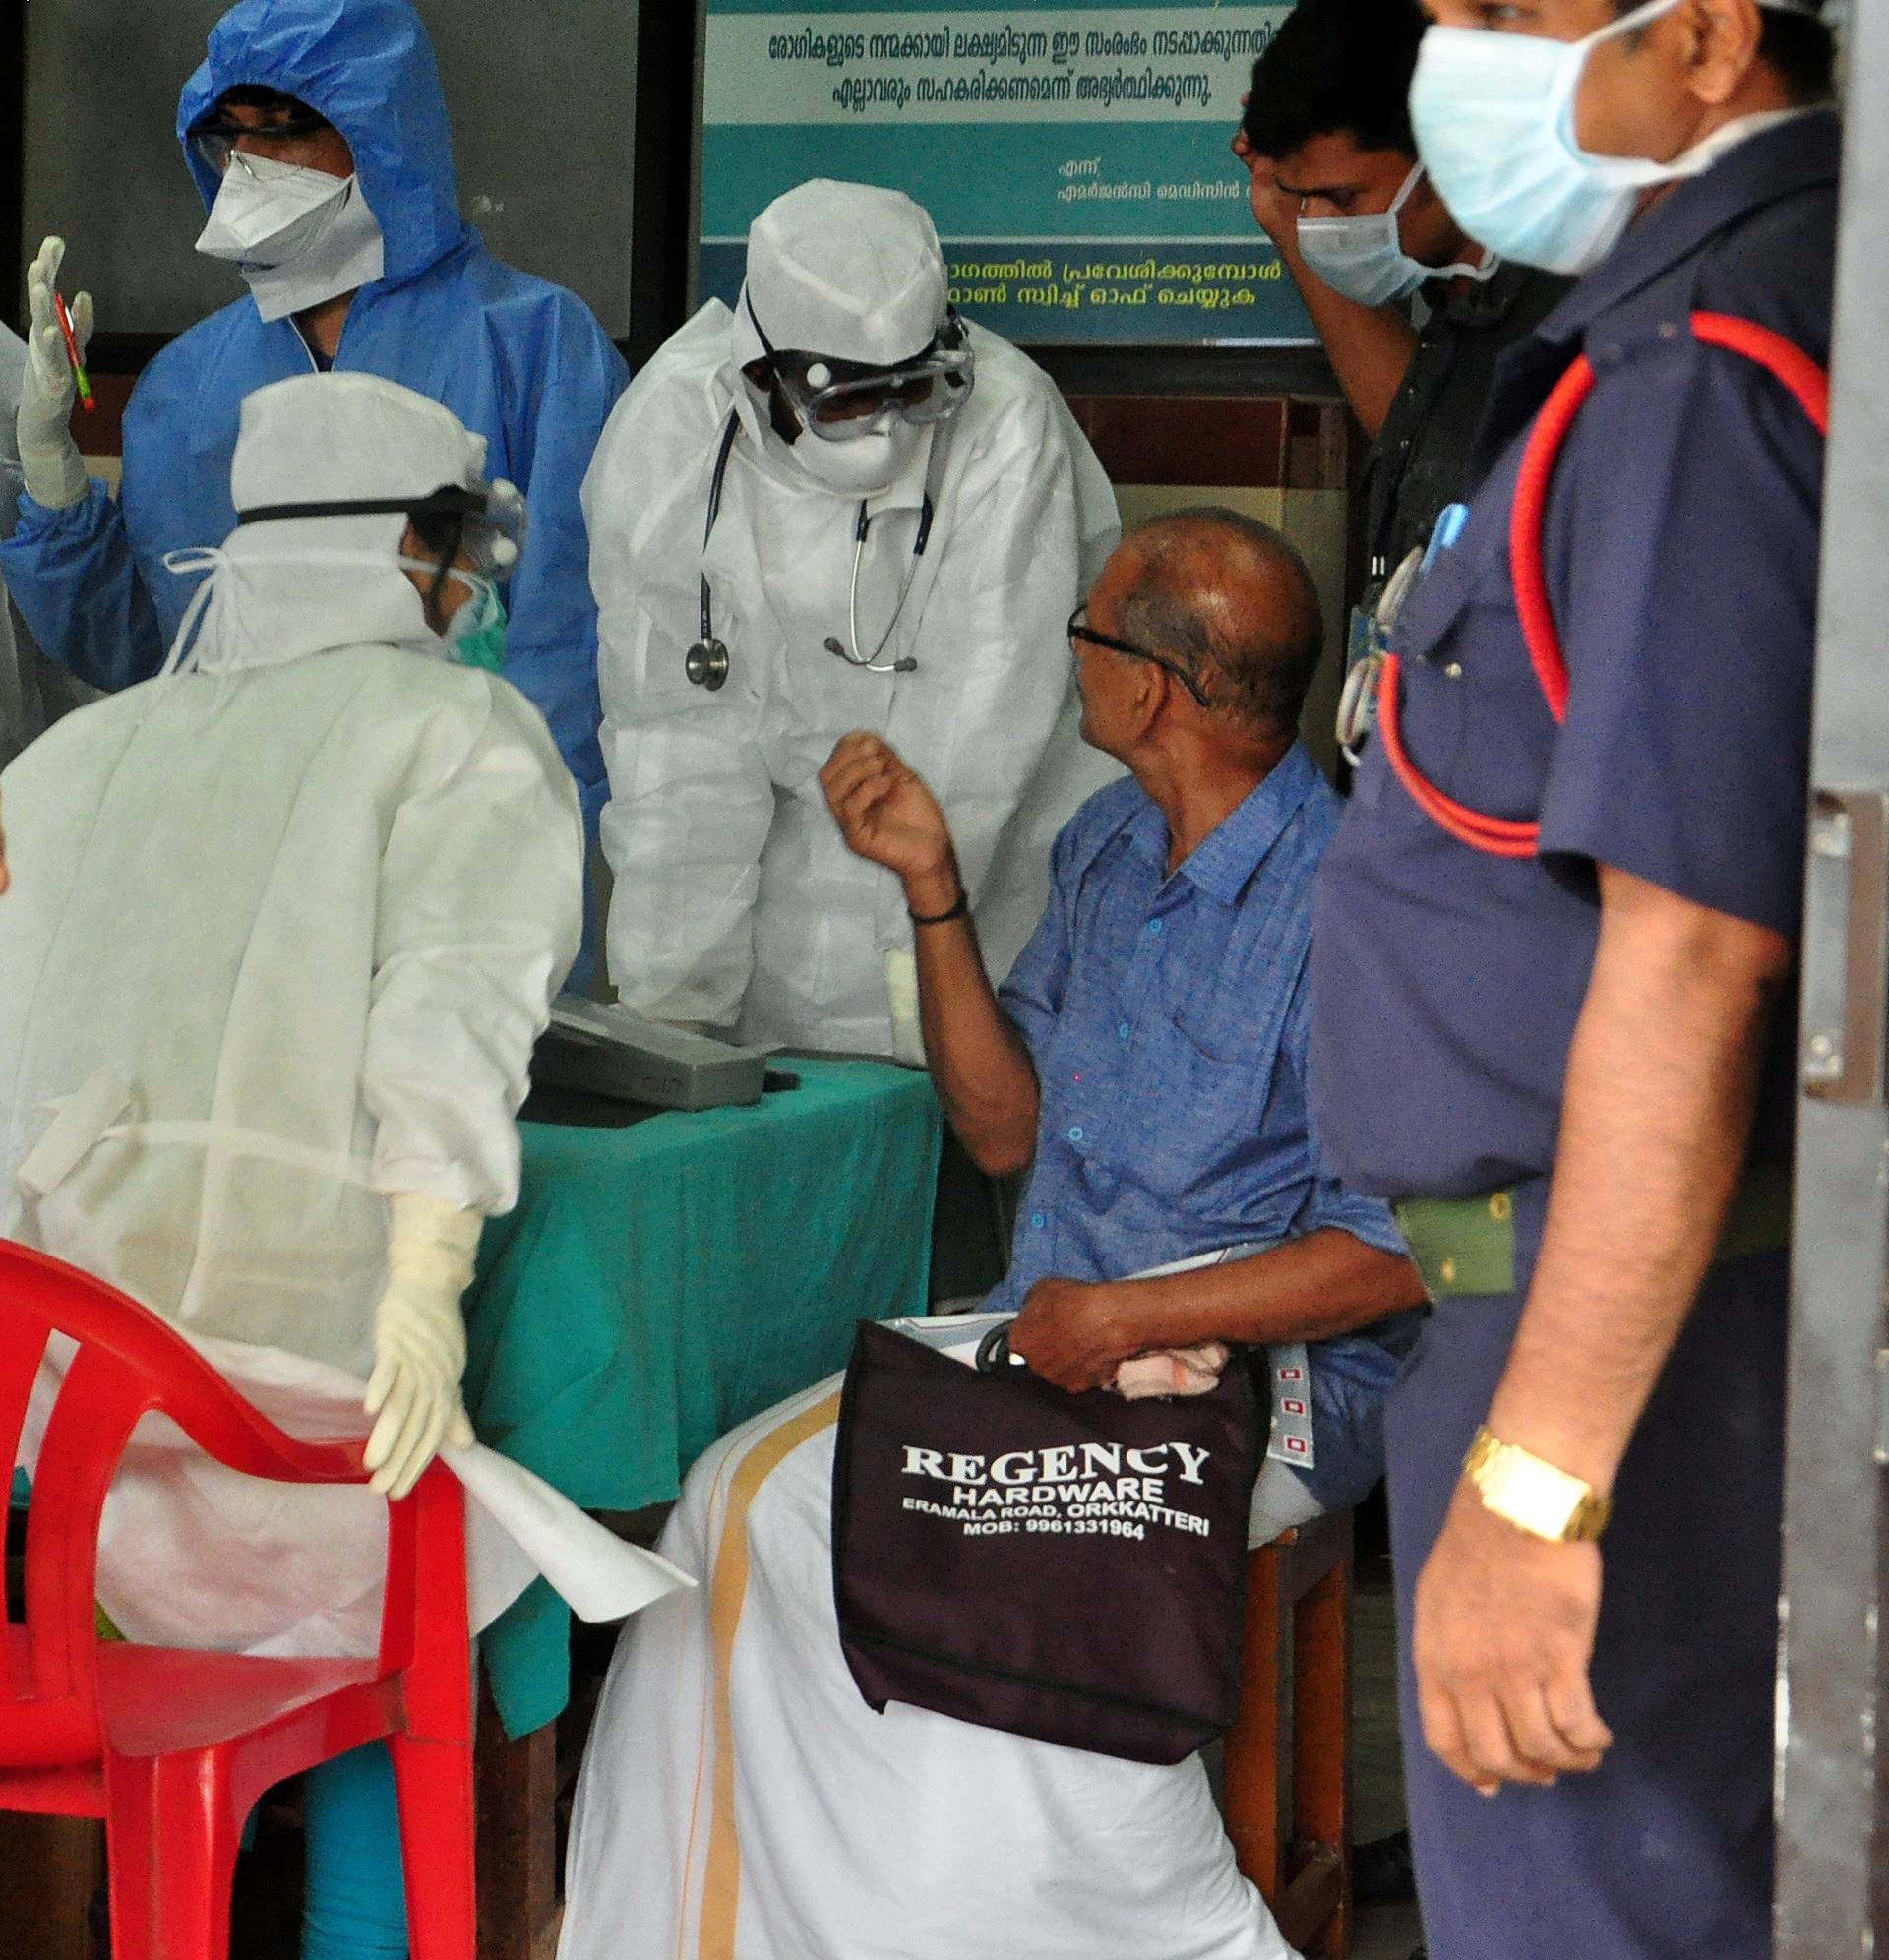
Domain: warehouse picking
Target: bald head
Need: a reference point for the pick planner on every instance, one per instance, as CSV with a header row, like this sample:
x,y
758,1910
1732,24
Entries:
x,y
1227,599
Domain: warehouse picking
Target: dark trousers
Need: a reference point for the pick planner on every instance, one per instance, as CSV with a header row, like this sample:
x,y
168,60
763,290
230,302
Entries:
x,y
1665,1853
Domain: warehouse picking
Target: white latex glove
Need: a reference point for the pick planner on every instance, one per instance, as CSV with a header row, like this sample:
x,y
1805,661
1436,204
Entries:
x,y
419,1341
902,998
50,458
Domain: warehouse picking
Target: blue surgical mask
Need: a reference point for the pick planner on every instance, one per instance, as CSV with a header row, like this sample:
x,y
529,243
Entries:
x,y
475,634
1494,121
1363,257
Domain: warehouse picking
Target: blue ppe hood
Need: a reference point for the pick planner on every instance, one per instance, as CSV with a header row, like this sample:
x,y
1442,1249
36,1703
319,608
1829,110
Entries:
x,y
368,67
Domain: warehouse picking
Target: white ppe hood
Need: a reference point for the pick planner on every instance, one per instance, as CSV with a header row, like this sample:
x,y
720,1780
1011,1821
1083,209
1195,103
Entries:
x,y
292,587
735,901
846,269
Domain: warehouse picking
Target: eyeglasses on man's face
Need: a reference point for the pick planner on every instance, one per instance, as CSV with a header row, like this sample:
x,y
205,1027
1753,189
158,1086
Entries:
x,y
1080,630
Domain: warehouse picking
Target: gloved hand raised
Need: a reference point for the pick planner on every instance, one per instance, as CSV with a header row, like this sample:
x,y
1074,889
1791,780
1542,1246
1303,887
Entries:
x,y
419,1341
50,458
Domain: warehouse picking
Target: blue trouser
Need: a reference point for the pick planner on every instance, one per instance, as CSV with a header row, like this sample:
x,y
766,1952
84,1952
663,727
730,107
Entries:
x,y
1665,1853
355,1899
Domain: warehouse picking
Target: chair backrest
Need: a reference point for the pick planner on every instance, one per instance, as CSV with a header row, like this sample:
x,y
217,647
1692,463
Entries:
x,y
128,1363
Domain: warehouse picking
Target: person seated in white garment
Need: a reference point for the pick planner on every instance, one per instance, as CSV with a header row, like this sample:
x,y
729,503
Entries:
x,y
280,930
1147,1057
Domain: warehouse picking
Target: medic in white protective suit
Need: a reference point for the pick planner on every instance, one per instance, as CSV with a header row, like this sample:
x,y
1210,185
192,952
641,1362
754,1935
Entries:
x,y
282,928
900,514
283,925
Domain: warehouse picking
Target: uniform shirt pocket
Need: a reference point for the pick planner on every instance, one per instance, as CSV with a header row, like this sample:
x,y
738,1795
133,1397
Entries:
x,y
1435,604
1463,659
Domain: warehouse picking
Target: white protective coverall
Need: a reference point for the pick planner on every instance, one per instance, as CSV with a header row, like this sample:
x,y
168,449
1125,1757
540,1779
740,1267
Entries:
x,y
740,1799
736,902
33,693
284,927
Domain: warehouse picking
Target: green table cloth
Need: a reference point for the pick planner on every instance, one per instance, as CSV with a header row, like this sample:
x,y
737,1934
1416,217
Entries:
x,y
659,1284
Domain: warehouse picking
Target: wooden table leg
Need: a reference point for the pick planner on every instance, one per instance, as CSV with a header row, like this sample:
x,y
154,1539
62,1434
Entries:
x,y
517,1837
1258,1789
1287,1779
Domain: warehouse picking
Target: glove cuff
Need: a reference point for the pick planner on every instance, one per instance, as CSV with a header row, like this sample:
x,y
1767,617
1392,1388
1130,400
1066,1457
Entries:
x,y
54,474
434,1267
432,1241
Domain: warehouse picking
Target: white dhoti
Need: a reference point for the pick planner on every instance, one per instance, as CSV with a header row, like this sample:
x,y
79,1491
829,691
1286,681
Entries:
x,y
740,1801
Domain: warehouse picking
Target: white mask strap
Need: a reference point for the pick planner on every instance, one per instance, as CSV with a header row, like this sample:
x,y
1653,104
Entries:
x,y
223,567
1485,269
1635,18
1404,190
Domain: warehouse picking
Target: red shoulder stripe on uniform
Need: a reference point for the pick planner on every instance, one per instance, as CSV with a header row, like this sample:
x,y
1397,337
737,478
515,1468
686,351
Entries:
x,y
1497,837
1528,520
1806,380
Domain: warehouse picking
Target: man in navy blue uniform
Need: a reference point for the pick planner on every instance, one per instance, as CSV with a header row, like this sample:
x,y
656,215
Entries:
x,y
1552,958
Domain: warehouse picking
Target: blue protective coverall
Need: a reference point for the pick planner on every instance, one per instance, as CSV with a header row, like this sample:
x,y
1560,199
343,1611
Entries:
x,y
520,361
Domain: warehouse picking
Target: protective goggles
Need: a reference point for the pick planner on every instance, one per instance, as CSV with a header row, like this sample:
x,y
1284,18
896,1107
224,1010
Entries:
x,y
491,517
842,401
215,138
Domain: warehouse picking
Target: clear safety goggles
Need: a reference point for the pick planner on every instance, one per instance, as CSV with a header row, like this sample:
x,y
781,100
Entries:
x,y
842,401
215,138
491,517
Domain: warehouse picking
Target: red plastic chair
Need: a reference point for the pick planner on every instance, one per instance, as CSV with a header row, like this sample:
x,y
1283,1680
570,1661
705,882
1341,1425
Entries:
x,y
173,1748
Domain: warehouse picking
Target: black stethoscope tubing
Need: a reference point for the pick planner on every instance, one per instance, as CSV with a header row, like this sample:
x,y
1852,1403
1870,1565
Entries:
x,y
706,662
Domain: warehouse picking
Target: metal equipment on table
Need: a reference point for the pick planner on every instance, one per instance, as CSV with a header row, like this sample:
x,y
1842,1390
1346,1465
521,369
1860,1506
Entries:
x,y
614,1053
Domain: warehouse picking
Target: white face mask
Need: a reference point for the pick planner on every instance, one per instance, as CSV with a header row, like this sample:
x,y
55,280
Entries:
x,y
298,236
861,468
1363,257
1494,121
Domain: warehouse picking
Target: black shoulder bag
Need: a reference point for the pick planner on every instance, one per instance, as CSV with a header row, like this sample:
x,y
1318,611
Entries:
x,y
1068,1567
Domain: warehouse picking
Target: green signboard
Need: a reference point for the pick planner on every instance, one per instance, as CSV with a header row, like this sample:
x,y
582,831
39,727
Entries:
x,y
1073,158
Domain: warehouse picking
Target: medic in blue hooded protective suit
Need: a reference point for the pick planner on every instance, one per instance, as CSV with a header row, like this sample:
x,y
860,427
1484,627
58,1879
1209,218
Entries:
x,y
520,361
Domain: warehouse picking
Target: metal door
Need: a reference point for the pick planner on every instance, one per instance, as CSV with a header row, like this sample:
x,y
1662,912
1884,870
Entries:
x,y
1833,1875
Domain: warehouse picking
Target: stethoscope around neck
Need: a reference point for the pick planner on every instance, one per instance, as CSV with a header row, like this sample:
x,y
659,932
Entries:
x,y
706,662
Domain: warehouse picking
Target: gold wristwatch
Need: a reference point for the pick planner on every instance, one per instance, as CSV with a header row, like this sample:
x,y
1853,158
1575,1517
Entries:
x,y
1532,1494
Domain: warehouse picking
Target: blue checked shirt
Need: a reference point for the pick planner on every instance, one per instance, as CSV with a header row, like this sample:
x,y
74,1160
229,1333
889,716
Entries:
x,y
1167,1019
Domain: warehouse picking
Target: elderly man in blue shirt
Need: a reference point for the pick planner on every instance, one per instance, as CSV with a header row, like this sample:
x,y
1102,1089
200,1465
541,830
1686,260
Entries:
x,y
1147,1057
1147,1054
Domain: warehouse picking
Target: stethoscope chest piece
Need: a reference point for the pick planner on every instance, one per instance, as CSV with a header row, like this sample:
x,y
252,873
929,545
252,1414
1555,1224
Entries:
x,y
707,664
